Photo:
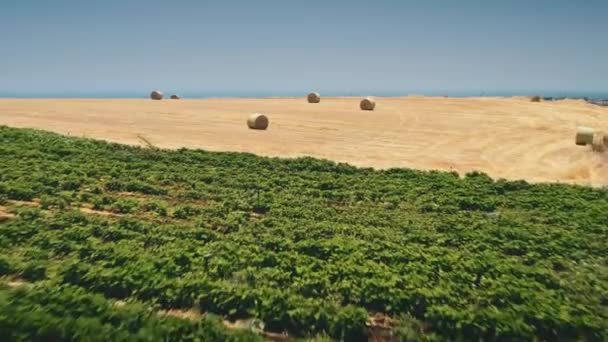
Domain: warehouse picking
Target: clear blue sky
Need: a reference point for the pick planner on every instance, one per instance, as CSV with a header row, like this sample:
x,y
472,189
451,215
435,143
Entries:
x,y
284,46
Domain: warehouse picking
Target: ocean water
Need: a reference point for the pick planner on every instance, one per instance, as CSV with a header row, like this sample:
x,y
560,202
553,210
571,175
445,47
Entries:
x,y
264,94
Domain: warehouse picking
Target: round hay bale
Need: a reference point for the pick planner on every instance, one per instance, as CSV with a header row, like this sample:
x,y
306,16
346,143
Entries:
x,y
368,103
314,98
156,95
175,97
535,98
584,136
257,121
598,144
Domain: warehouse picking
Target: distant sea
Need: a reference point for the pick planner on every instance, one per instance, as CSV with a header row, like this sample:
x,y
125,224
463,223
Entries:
x,y
263,94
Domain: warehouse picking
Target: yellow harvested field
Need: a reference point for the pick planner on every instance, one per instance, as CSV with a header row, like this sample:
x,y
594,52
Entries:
x,y
510,138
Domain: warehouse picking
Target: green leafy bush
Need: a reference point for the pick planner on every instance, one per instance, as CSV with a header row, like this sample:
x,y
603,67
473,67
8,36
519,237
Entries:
x,y
185,212
34,271
125,206
70,313
47,202
157,207
303,245
20,193
6,266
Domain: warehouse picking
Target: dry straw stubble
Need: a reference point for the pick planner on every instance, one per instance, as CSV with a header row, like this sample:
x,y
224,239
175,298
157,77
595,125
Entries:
x,y
599,141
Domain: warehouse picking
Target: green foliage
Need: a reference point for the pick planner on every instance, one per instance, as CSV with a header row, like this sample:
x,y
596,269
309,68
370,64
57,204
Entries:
x,y
48,202
6,266
157,207
124,206
19,192
185,212
101,202
68,313
304,245
34,271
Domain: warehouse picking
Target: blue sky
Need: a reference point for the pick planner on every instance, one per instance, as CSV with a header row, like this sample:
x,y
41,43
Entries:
x,y
390,46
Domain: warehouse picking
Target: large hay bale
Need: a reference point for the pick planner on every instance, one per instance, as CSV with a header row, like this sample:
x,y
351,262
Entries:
x,y
368,103
175,97
584,136
314,98
156,95
535,98
599,142
257,121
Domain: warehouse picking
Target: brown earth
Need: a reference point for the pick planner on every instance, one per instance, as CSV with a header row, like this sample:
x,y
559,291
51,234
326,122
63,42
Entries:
x,y
509,138
4,214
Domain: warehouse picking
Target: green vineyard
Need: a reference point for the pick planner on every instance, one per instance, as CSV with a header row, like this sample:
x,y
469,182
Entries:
x,y
101,241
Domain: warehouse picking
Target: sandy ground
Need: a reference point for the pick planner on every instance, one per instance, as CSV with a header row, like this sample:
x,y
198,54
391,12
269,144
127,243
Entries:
x,y
510,138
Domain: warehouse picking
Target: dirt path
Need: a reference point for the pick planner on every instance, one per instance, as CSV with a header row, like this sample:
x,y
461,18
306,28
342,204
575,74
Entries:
x,y
4,214
504,137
